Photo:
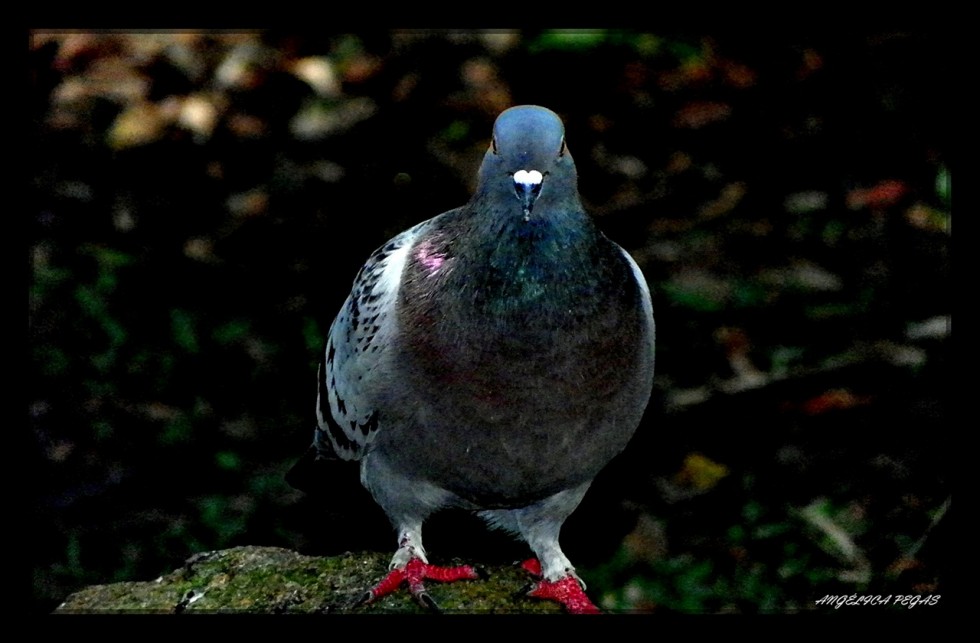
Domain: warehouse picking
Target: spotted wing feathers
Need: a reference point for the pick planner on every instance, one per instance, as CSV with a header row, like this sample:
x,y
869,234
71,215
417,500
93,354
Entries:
x,y
347,417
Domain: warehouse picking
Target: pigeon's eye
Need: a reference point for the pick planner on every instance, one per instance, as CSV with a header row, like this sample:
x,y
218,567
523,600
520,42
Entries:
x,y
564,148
493,144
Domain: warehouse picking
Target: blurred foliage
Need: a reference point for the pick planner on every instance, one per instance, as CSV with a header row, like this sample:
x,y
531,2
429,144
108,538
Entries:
x,y
200,203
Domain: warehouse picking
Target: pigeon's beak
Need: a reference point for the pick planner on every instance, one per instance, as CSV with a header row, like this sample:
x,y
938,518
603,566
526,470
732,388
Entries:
x,y
527,186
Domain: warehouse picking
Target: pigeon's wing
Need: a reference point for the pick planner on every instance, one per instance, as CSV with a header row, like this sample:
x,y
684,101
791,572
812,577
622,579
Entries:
x,y
645,299
347,414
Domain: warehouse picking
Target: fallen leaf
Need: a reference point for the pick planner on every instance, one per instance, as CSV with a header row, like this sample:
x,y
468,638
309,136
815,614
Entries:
x,y
882,195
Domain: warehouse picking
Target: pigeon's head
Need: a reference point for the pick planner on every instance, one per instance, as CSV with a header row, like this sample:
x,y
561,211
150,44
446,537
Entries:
x,y
528,160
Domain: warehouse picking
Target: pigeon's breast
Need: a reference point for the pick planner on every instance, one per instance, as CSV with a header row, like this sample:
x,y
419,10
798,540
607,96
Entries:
x,y
507,391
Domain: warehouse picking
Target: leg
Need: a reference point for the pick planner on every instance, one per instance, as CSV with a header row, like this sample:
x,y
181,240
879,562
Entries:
x,y
539,525
407,503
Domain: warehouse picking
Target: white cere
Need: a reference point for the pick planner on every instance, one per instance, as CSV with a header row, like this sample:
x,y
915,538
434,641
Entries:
x,y
528,178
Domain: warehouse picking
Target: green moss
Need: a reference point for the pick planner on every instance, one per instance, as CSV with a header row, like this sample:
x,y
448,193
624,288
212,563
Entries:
x,y
274,580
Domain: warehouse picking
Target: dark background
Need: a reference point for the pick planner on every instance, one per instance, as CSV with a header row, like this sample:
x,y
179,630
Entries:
x,y
200,203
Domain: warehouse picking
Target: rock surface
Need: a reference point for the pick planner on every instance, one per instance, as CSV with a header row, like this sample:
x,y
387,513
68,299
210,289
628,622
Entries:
x,y
276,580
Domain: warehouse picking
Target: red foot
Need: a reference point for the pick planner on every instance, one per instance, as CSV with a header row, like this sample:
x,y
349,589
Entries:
x,y
532,565
413,574
567,592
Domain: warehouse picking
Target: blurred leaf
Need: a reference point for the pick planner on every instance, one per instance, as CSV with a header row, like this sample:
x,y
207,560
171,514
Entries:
x,y
770,530
268,483
182,323
103,430
94,304
833,231
698,291
944,186
751,294
568,40
841,309
686,51
177,431
881,195
140,124
312,337
752,511
647,44
698,114
923,217
228,460
456,131
232,332
319,73
838,541
783,359
73,557
806,202
46,279
52,359
701,472
834,400
110,258
219,516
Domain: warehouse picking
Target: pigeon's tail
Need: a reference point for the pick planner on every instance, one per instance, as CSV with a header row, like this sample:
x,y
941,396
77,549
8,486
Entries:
x,y
312,470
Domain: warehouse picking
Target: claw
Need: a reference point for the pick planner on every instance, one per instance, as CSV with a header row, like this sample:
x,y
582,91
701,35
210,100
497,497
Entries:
x,y
428,602
566,592
412,574
569,592
363,599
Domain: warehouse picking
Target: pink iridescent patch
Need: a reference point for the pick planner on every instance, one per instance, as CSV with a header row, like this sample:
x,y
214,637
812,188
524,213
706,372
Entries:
x,y
428,257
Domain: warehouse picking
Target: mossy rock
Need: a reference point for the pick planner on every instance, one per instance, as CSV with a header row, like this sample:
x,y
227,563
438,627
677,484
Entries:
x,y
275,580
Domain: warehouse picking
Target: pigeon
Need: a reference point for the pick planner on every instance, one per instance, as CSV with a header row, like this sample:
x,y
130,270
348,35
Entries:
x,y
493,358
